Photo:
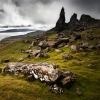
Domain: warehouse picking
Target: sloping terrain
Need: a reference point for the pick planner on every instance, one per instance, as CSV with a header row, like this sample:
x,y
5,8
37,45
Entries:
x,y
75,49
18,37
88,76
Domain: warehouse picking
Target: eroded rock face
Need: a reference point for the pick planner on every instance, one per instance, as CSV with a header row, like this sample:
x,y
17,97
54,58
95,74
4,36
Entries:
x,y
73,20
86,19
45,72
60,25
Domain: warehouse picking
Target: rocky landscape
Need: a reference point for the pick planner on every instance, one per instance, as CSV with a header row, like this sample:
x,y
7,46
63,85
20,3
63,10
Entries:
x,y
58,56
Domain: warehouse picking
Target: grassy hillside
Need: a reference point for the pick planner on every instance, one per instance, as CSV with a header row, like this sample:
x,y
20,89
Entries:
x,y
88,78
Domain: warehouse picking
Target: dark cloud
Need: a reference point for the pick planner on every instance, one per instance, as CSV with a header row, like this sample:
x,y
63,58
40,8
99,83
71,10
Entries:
x,y
89,5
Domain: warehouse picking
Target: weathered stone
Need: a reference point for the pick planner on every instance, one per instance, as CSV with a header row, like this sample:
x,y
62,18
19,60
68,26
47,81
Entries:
x,y
5,61
43,44
47,49
42,55
91,47
66,79
56,89
61,41
87,19
58,50
28,51
73,20
51,43
74,48
66,46
43,71
85,45
67,56
78,91
35,52
60,25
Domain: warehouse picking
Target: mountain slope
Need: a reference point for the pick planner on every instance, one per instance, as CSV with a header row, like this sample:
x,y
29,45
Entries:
x,y
85,63
22,36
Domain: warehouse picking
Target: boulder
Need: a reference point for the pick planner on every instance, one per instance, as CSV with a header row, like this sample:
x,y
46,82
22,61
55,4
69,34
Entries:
x,y
91,47
43,44
35,52
78,91
28,51
58,50
42,55
61,41
56,89
47,49
74,48
67,56
51,43
45,72
66,79
85,45
5,61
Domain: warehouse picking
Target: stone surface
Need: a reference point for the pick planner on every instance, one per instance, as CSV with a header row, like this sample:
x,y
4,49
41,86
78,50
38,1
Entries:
x,y
78,91
66,79
45,72
67,56
60,25
58,50
56,89
74,48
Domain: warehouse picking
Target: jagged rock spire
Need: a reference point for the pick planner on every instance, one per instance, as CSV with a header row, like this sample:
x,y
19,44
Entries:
x,y
73,18
61,21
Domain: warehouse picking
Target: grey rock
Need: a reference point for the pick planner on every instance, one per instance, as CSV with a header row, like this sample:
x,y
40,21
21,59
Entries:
x,y
58,50
74,48
56,89
67,56
78,91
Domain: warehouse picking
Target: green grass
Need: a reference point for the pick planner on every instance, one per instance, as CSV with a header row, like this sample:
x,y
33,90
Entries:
x,y
88,78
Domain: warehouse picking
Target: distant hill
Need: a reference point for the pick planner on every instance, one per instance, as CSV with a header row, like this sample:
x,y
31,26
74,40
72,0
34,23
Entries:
x,y
18,37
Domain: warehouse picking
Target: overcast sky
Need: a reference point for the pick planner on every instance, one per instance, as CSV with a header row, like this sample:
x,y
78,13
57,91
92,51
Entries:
x,y
44,13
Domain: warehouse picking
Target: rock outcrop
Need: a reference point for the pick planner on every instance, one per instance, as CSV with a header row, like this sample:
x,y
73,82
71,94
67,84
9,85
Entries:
x,y
73,21
74,24
86,19
45,72
60,25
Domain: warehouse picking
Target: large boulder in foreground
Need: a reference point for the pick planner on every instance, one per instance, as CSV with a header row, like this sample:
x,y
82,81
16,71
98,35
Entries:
x,y
45,72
